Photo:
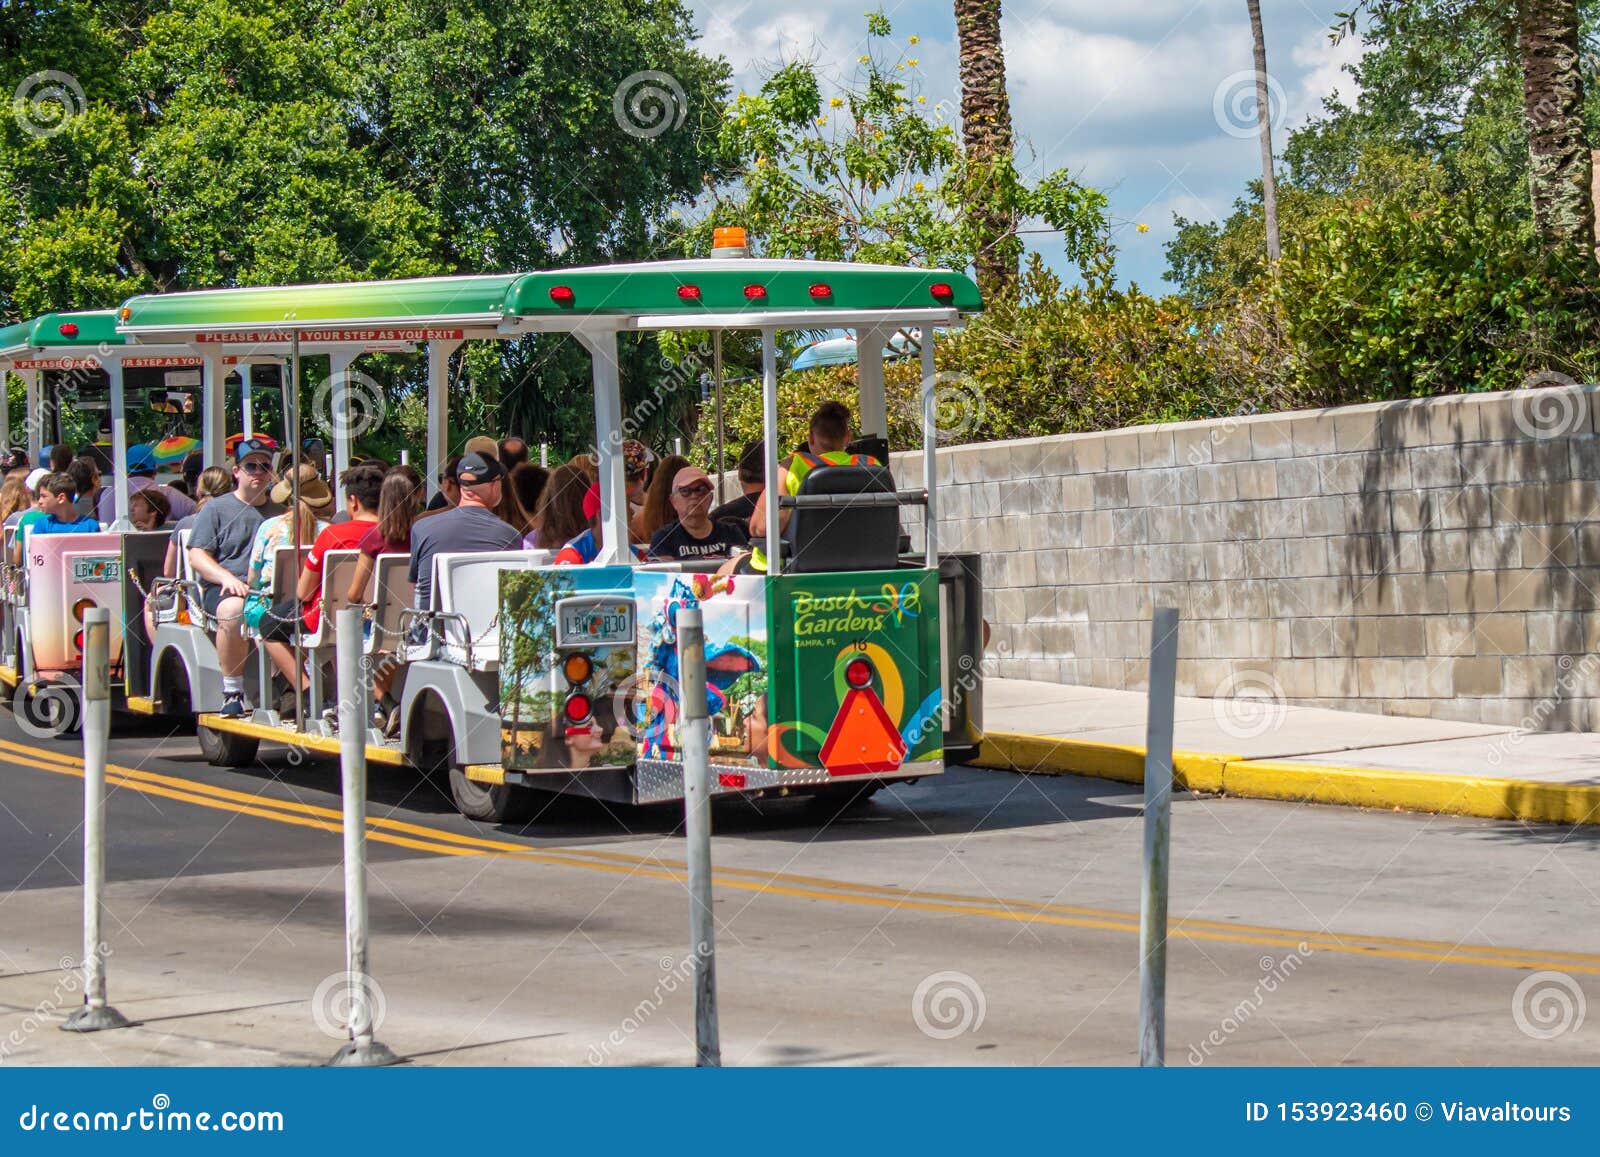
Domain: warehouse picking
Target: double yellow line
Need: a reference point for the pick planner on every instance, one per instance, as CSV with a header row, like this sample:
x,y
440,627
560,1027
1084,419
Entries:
x,y
418,837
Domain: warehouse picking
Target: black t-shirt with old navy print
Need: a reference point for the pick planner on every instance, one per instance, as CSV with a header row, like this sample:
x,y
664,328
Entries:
x,y
674,541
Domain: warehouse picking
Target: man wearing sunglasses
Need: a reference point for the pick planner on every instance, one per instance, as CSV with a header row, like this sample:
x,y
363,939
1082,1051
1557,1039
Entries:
x,y
219,551
696,534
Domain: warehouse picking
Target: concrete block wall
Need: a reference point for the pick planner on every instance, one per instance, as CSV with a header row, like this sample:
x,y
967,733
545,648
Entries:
x,y
1438,557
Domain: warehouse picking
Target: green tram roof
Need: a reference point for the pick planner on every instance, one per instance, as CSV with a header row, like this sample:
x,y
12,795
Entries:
x,y
728,290
95,328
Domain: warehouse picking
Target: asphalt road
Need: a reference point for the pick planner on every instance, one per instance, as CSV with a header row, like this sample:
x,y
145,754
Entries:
x,y
974,918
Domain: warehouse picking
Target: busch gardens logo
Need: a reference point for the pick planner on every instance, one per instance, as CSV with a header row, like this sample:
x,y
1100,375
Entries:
x,y
854,613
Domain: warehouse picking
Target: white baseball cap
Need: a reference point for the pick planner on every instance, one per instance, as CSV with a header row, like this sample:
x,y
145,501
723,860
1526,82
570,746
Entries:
x,y
35,476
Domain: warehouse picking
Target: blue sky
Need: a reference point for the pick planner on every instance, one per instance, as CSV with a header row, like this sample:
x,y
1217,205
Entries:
x,y
1141,99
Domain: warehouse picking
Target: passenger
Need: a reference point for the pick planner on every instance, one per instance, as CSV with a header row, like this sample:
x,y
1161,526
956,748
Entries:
x,y
148,509
657,510
219,551
214,481
510,510
483,445
60,457
141,474
472,527
826,442
752,477
14,463
276,622
194,464
637,459
513,452
14,500
86,476
562,512
586,547
695,534
55,514
449,493
528,482
362,485
399,506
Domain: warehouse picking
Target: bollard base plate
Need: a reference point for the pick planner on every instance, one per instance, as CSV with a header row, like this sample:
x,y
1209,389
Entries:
x,y
88,1019
374,1055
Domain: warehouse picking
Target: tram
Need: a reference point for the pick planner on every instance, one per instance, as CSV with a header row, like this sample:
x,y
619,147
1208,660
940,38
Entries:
x,y
853,660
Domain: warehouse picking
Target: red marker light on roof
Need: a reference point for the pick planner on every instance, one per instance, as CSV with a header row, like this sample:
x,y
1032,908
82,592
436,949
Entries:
x,y
69,329
942,291
755,292
562,294
689,292
820,291
858,674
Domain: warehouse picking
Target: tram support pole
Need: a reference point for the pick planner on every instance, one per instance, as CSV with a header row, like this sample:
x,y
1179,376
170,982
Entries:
x,y
95,1015
693,740
722,438
362,1050
1157,839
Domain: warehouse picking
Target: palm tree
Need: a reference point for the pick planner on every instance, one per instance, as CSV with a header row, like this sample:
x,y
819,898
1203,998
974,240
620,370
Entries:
x,y
986,133
1560,165
1269,187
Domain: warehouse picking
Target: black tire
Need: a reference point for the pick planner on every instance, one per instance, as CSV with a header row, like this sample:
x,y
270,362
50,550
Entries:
x,y
45,709
225,749
491,803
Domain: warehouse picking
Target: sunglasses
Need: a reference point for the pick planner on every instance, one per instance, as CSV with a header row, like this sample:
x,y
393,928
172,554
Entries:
x,y
698,490
255,468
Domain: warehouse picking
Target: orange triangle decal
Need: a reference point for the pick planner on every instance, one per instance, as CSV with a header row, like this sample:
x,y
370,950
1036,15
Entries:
x,y
863,739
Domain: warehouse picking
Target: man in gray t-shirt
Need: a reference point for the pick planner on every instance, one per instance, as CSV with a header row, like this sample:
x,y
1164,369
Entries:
x,y
470,528
219,551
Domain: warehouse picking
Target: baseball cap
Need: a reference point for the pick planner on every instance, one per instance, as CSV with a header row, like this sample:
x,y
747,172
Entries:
x,y
688,476
35,476
482,444
475,468
13,459
257,444
141,460
636,456
591,501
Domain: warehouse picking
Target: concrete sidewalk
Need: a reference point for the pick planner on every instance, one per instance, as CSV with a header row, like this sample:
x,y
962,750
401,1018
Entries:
x,y
1268,750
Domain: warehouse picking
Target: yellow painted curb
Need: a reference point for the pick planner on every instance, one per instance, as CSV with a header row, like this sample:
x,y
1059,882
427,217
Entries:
x,y
1047,755
1468,795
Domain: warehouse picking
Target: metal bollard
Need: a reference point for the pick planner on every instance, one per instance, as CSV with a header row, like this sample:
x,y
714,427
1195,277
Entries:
x,y
95,1015
362,1050
1157,839
693,736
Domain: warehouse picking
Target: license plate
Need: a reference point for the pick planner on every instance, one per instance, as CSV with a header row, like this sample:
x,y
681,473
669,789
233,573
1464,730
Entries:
x,y
591,623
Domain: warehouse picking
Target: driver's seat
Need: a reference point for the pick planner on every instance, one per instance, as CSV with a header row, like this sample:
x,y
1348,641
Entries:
x,y
845,535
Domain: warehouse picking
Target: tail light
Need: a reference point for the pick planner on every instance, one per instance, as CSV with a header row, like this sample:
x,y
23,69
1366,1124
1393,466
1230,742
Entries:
x,y
858,674
942,292
578,708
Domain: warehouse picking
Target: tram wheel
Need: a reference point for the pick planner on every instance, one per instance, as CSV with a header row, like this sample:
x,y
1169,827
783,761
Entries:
x,y
493,803
46,709
224,749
